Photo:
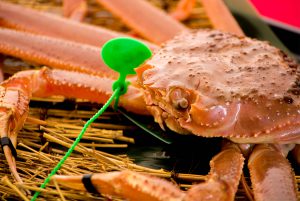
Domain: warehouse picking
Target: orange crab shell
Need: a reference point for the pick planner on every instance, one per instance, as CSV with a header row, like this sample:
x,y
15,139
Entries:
x,y
216,84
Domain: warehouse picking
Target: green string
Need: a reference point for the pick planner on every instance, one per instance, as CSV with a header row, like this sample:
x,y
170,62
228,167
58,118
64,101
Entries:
x,y
115,95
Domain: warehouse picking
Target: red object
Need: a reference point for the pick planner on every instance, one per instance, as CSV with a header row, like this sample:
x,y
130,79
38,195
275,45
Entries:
x,y
285,13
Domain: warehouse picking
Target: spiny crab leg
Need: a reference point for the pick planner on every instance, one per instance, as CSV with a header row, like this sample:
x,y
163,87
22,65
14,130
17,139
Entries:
x,y
126,184
29,20
222,183
271,174
223,178
77,9
158,30
15,94
157,27
60,54
147,20
53,52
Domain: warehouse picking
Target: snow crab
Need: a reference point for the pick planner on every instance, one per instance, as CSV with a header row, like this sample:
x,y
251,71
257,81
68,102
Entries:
x,y
208,83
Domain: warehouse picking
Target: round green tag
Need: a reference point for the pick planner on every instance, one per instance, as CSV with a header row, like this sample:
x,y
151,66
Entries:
x,y
124,54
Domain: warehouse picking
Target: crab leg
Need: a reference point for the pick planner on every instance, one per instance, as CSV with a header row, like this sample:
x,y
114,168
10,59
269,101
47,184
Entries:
x,y
222,182
17,91
148,21
156,26
183,9
151,23
53,52
224,176
271,174
127,184
75,9
25,19
221,17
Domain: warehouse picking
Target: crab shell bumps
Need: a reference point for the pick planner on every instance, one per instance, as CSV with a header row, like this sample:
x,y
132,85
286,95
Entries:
x,y
216,84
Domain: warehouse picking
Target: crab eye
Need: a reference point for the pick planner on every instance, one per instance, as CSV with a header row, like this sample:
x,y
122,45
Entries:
x,y
179,99
181,104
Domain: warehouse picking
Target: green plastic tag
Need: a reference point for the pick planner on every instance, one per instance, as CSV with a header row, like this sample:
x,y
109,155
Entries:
x,y
124,54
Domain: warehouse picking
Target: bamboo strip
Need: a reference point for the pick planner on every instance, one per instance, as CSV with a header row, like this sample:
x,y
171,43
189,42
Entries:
x,y
125,139
80,149
59,191
94,124
39,153
6,181
53,192
104,145
44,146
33,120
